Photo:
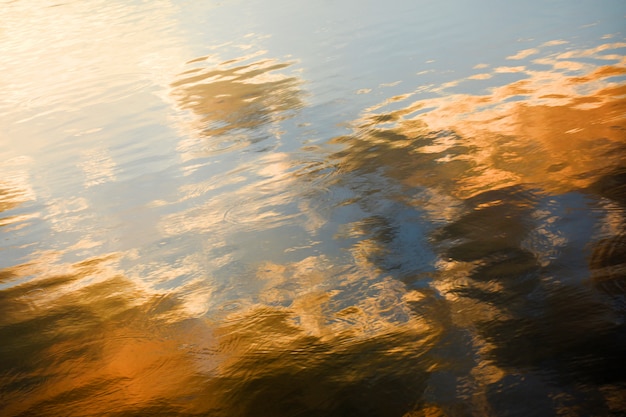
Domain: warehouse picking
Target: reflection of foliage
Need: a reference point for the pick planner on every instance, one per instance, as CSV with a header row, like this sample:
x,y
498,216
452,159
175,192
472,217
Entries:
x,y
7,199
524,203
289,372
401,155
520,302
559,128
229,98
65,339
608,257
543,323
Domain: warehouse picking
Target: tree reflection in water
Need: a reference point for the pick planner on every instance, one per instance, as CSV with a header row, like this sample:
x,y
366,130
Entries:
x,y
117,349
230,105
523,203
464,255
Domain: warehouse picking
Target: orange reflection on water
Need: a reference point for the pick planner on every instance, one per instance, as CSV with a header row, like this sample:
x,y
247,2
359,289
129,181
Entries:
x,y
490,169
91,337
229,105
570,117
94,342
15,191
85,340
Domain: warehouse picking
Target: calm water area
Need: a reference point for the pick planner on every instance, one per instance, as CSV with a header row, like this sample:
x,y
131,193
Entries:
x,y
326,208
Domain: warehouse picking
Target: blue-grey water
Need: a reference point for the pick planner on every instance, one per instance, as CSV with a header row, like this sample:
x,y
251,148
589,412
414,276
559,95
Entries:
x,y
282,208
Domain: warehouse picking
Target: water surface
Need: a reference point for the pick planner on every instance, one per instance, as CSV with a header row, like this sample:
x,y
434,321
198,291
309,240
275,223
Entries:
x,y
340,209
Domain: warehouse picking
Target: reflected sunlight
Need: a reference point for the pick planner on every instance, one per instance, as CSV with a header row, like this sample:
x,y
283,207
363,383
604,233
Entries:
x,y
571,117
226,209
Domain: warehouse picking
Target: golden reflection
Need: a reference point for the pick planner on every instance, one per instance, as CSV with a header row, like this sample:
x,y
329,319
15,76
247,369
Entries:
x,y
495,172
295,375
15,185
229,105
314,289
139,350
569,117
337,337
72,333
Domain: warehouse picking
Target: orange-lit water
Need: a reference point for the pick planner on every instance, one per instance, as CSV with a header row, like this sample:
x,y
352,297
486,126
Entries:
x,y
278,209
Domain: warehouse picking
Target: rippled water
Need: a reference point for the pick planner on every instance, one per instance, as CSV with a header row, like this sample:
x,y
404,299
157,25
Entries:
x,y
404,208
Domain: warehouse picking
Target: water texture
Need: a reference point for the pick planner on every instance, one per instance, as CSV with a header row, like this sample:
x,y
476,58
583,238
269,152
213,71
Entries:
x,y
404,208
